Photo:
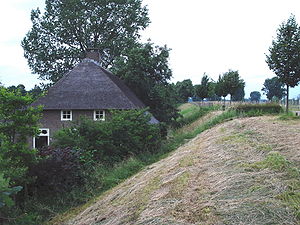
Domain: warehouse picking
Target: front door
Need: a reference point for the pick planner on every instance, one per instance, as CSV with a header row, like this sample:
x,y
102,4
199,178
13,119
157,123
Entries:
x,y
42,140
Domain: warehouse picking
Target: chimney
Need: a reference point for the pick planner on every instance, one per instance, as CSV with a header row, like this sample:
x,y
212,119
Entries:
x,y
93,53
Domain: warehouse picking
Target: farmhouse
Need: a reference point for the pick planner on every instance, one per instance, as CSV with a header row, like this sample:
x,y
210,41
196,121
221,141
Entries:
x,y
87,90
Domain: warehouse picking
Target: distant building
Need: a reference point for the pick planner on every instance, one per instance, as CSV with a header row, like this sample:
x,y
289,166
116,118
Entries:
x,y
87,90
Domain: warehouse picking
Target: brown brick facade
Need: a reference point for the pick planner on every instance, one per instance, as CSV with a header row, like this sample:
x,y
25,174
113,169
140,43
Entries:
x,y
51,119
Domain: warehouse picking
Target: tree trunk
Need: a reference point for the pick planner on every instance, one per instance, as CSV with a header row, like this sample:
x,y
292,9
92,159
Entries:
x,y
287,99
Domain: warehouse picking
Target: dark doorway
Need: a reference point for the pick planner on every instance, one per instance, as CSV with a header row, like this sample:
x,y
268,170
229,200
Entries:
x,y
41,141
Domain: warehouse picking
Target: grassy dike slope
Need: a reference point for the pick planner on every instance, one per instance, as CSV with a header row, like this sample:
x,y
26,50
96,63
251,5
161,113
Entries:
x,y
245,171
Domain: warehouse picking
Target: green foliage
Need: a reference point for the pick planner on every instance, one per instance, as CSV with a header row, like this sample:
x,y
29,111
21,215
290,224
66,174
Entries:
x,y
273,88
121,171
52,160
284,54
146,72
212,96
239,94
193,113
18,121
35,92
126,133
255,96
60,36
220,88
230,83
20,88
289,116
269,108
201,90
184,89
6,191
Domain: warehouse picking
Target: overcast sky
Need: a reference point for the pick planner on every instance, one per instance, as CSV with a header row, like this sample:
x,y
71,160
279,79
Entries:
x,y
205,36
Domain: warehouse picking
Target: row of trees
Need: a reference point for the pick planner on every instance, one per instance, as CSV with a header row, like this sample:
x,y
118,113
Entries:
x,y
228,83
273,88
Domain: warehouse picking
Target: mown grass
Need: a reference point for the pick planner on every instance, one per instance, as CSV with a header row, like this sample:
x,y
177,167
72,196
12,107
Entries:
x,y
291,173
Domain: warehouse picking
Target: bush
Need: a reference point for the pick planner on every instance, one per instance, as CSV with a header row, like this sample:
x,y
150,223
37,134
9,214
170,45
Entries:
x,y
259,109
57,171
125,134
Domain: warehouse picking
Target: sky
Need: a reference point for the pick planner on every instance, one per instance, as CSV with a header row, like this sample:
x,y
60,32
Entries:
x,y
205,37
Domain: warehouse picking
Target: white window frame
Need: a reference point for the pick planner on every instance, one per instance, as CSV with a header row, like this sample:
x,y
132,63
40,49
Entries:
x,y
62,115
102,112
40,134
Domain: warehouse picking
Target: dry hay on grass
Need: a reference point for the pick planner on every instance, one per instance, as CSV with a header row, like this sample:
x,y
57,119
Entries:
x,y
205,181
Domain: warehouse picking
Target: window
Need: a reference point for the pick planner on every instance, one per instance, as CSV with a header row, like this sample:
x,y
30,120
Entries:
x,y
66,115
99,115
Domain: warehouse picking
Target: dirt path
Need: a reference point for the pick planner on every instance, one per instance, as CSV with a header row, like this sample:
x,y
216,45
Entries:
x,y
206,181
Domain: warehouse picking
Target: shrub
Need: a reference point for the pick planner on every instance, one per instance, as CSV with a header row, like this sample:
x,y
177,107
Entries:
x,y
6,191
57,171
125,134
259,109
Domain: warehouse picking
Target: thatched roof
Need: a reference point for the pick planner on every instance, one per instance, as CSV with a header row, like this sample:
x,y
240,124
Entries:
x,y
89,86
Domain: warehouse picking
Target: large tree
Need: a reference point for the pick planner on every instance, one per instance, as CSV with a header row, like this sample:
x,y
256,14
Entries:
x,y
284,54
61,35
145,70
273,88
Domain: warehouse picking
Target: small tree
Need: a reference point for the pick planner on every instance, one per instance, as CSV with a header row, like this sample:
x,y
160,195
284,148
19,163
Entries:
x,y
255,96
273,88
184,89
202,89
221,89
284,55
239,94
232,82
212,91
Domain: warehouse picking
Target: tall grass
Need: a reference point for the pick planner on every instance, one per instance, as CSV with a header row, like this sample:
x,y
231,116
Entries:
x,y
194,112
